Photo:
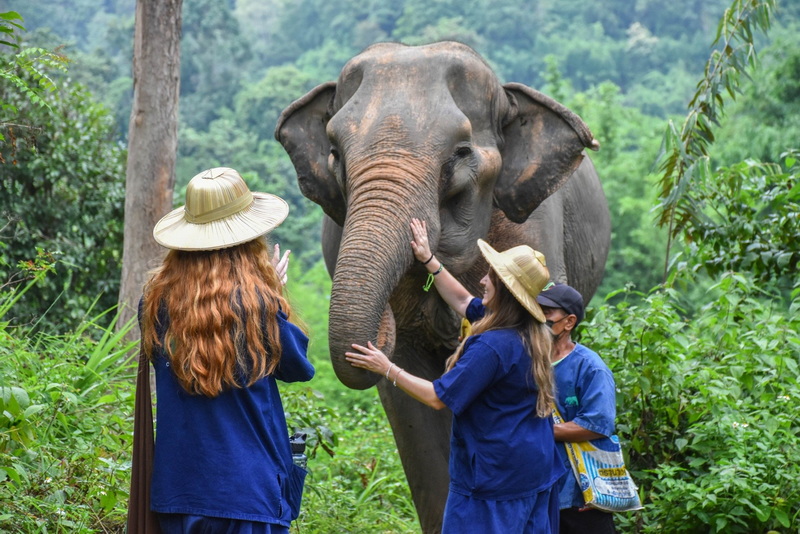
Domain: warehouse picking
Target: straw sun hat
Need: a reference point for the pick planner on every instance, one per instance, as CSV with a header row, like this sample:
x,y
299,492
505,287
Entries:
x,y
523,272
220,212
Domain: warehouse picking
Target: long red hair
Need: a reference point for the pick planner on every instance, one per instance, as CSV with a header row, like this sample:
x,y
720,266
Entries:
x,y
215,301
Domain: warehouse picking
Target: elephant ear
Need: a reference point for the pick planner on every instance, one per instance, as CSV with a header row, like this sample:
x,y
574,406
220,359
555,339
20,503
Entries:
x,y
543,145
301,130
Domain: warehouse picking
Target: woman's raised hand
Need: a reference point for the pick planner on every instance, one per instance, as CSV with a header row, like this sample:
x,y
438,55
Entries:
x,y
281,264
420,245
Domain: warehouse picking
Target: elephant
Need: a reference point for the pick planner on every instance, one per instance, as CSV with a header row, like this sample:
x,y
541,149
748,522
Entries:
x,y
429,132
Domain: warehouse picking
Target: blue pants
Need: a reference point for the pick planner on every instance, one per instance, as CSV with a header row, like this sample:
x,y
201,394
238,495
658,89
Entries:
x,y
530,515
199,524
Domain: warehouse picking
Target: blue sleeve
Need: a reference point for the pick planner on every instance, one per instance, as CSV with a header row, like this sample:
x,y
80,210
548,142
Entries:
x,y
471,375
475,310
597,401
294,365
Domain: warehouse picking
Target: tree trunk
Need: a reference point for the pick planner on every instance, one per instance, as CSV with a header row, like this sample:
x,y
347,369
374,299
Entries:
x,y
152,143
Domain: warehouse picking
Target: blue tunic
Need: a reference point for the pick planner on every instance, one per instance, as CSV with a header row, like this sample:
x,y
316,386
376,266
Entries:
x,y
228,456
499,449
585,394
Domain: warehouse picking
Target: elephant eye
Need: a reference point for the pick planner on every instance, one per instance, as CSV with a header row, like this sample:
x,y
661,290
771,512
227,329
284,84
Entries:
x,y
463,151
335,167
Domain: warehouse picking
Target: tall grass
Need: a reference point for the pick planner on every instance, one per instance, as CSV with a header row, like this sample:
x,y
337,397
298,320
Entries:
x,y
358,484
706,409
65,420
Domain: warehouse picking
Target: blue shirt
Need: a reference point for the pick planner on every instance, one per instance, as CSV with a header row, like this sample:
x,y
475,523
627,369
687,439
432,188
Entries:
x,y
227,456
585,394
499,448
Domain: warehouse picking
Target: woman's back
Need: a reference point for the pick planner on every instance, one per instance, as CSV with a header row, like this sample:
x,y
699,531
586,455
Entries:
x,y
215,327
226,456
499,445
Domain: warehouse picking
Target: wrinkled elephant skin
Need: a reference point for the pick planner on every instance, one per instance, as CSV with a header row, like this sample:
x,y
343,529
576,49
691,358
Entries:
x,y
429,132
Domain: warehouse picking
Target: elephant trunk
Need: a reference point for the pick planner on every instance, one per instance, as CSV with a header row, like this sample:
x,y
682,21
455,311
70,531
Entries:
x,y
373,257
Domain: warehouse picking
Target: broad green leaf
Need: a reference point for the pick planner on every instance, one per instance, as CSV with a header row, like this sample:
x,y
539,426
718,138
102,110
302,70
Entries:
x,y
782,517
763,514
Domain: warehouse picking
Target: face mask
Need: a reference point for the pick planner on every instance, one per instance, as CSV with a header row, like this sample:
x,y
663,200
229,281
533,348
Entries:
x,y
551,323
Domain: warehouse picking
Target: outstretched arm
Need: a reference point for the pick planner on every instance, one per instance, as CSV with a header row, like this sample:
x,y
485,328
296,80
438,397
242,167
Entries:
x,y
452,292
372,359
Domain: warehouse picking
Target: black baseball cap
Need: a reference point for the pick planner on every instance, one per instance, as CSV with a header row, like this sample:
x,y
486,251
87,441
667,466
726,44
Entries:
x,y
564,297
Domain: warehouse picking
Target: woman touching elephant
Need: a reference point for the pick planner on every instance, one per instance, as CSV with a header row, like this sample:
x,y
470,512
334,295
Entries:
x,y
503,459
430,132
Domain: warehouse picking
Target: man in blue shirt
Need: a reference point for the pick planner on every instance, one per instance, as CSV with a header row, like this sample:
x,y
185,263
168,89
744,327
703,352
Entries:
x,y
586,398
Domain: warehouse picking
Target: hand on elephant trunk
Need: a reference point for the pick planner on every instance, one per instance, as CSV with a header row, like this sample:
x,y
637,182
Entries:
x,y
281,264
372,359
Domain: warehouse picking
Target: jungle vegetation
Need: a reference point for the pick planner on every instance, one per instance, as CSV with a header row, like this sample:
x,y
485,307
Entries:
x,y
697,315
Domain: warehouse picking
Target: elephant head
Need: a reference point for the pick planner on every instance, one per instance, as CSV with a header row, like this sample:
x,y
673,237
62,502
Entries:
x,y
426,132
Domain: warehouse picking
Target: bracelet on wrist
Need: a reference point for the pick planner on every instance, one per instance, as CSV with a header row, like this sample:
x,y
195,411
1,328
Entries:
x,y
426,262
399,370
429,281
389,369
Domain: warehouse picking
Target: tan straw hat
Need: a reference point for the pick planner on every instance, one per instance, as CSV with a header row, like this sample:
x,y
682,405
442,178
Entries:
x,y
220,212
523,272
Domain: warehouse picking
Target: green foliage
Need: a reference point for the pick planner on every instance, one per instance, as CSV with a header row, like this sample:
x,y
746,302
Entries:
x,y
320,65
685,162
29,272
707,406
241,65
63,192
8,27
362,488
77,21
308,291
707,377
770,107
751,221
26,70
65,404
258,105
212,55
629,142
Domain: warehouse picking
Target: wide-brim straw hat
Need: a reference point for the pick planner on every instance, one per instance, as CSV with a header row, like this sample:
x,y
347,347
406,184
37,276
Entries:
x,y
220,212
523,271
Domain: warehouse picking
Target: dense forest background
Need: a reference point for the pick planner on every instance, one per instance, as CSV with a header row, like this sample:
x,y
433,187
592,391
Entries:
x,y
625,67
709,357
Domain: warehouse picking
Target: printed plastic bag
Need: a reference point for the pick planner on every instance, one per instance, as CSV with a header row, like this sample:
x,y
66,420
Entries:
x,y
599,467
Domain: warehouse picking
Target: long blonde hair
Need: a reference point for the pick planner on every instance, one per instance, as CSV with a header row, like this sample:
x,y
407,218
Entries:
x,y
505,311
216,301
